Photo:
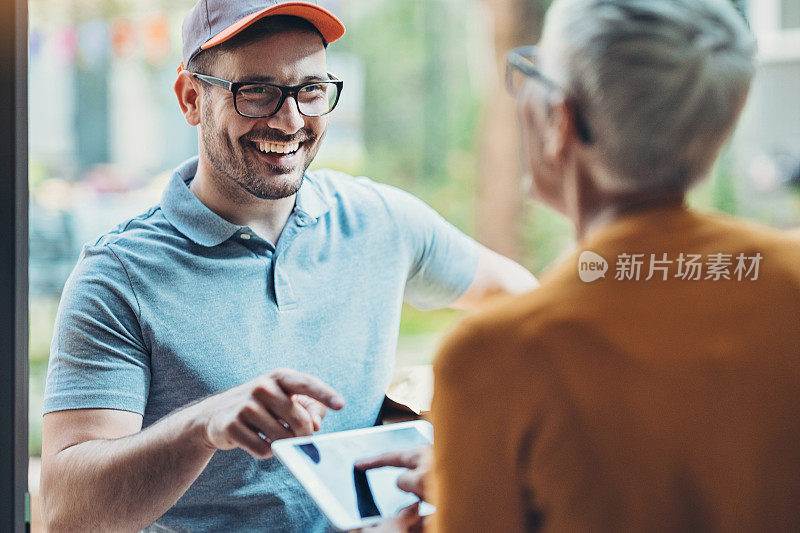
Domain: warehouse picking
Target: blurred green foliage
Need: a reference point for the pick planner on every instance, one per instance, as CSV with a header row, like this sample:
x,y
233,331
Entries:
x,y
416,322
422,108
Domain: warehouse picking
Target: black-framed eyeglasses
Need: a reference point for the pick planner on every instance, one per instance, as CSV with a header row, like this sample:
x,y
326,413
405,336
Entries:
x,y
262,100
522,65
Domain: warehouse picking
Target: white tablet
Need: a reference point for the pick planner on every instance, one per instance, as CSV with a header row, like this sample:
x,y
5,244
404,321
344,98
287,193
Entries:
x,y
349,498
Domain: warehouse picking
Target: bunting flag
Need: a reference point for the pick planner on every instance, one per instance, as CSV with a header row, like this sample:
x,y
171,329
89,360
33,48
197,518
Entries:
x,y
93,37
157,46
65,42
123,38
35,42
93,43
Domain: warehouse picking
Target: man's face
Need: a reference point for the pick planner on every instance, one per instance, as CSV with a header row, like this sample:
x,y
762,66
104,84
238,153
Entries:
x,y
250,151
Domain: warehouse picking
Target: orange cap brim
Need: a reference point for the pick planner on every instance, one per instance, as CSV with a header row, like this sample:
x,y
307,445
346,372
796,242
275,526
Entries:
x,y
326,22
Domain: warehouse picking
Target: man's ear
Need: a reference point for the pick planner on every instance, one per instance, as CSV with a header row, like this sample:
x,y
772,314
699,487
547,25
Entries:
x,y
188,93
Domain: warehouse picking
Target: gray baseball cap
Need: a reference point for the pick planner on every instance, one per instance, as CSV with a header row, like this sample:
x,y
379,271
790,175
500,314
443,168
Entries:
x,y
212,22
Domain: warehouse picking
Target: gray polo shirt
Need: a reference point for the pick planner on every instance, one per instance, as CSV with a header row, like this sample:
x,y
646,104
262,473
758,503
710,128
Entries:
x,y
177,304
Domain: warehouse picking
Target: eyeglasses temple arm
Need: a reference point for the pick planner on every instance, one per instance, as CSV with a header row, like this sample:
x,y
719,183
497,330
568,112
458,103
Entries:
x,y
211,80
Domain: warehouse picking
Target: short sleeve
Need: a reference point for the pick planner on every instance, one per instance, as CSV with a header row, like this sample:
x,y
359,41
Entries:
x,y
98,358
443,259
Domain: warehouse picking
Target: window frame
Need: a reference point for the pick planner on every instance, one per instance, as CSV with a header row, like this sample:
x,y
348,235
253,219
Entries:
x,y
14,266
775,43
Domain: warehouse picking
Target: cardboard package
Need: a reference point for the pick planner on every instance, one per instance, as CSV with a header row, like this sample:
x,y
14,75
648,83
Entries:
x,y
409,395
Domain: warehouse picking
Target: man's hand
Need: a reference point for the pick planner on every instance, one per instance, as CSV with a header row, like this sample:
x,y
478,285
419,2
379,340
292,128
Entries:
x,y
418,461
82,446
282,404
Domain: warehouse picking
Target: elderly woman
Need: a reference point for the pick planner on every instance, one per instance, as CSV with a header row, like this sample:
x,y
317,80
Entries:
x,y
652,383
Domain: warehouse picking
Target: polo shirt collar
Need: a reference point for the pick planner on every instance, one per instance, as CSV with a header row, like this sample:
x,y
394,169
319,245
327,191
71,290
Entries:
x,y
197,222
188,214
310,199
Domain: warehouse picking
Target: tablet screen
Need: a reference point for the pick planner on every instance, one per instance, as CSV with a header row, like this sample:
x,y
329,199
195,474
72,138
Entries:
x,y
363,495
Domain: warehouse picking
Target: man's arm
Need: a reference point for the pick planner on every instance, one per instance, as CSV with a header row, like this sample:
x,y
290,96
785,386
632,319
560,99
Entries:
x,y
445,264
496,275
101,473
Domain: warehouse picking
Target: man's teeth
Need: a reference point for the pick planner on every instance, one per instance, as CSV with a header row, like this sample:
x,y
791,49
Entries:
x,y
278,148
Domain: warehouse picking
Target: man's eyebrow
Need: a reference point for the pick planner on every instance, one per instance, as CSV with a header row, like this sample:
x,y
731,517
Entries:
x,y
270,79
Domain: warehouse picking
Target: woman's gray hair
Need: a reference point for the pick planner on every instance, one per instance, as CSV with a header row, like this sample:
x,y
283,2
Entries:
x,y
660,83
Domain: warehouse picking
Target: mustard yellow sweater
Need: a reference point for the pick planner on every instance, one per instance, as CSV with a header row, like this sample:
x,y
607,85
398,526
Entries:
x,y
631,405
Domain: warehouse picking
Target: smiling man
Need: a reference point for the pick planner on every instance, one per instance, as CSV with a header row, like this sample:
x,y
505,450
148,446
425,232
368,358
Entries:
x,y
251,300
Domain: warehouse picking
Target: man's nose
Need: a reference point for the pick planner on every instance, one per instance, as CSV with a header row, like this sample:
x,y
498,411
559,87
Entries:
x,y
288,118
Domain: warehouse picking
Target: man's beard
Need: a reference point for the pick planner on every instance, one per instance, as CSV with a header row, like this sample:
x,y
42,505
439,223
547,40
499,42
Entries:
x,y
259,178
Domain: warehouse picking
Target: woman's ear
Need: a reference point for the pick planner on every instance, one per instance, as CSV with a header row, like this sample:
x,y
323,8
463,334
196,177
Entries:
x,y
562,134
188,93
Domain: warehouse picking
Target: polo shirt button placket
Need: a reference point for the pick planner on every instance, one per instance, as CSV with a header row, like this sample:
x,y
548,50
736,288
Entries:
x,y
284,294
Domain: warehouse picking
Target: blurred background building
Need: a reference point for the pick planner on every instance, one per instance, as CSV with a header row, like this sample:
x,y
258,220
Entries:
x,y
423,108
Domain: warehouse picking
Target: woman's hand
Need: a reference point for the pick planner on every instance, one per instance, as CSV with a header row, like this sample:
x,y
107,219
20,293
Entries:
x,y
418,462
407,520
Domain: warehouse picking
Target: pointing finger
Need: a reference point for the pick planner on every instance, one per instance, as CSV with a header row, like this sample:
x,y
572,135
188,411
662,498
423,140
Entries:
x,y
293,382
314,408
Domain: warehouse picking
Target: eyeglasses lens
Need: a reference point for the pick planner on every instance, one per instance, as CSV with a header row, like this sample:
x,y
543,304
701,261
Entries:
x,y
515,79
262,100
317,99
